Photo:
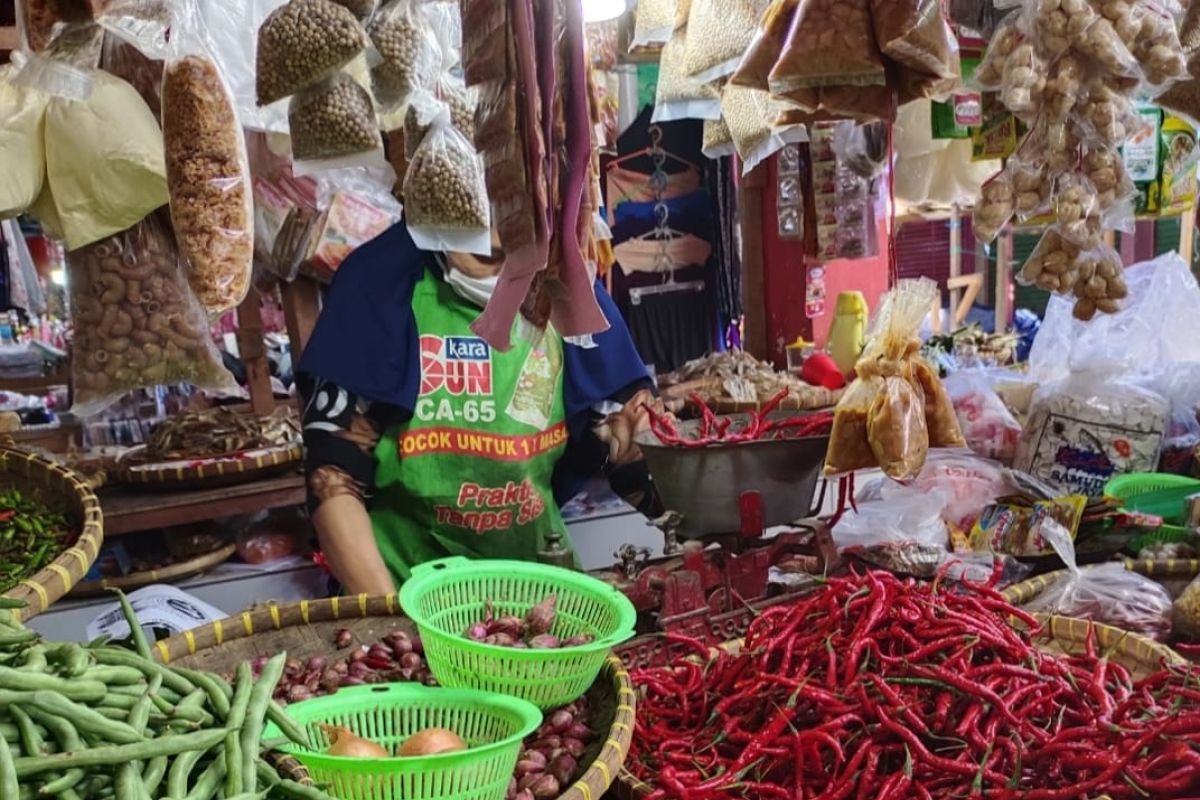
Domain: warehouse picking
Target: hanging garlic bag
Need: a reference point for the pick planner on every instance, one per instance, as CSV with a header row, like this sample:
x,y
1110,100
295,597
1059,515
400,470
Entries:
x,y
137,323
445,196
719,33
208,172
680,96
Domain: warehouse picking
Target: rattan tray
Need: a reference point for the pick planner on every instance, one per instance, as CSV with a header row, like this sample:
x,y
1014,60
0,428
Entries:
x,y
212,471
307,628
54,484
174,572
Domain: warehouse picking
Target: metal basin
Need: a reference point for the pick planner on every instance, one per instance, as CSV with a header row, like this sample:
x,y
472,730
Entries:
x,y
704,484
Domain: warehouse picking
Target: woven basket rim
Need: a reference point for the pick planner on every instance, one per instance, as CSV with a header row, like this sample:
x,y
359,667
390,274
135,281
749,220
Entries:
x,y
210,467
1023,591
173,572
57,578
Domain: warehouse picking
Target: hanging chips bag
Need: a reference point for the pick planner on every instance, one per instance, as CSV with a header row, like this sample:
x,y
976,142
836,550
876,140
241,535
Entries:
x,y
881,420
754,71
831,43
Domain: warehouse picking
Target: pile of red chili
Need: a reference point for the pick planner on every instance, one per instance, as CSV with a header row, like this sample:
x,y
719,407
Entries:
x,y
877,687
719,430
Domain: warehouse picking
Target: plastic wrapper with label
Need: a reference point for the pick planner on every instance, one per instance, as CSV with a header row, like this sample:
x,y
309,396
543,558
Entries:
x,y
830,43
208,172
678,95
137,323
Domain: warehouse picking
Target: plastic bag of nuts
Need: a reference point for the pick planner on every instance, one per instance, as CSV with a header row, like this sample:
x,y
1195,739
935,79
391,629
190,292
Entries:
x,y
989,75
1115,190
716,141
747,112
1100,283
995,208
302,42
333,119
409,52
363,9
1064,87
1156,43
755,69
915,34
208,172
136,322
654,23
831,43
1053,264
1077,208
679,96
1054,25
445,196
1107,116
37,19
1031,187
719,32
1024,81
1101,43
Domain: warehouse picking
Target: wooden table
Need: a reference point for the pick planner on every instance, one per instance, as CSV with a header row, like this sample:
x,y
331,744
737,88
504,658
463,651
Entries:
x,y
130,510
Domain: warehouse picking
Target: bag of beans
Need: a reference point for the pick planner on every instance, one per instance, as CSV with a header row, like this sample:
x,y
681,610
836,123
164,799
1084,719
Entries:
x,y
831,43
719,32
654,23
137,324
754,71
208,172
333,119
716,141
410,56
680,96
445,196
747,112
302,42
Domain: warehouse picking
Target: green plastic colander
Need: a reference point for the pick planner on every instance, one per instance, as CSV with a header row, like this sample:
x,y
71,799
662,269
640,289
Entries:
x,y
446,597
493,727
1158,493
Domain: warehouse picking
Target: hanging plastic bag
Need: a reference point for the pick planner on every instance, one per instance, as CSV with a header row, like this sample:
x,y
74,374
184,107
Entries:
x,y
831,43
208,173
747,113
1158,46
754,71
410,56
302,42
129,64
1116,191
719,33
716,141
1108,117
333,119
363,9
989,75
1024,81
1077,208
881,419
1065,86
995,208
38,19
136,322
987,424
903,531
66,65
104,161
940,418
1107,593
1056,26
445,197
1181,388
679,96
915,34
22,149
654,22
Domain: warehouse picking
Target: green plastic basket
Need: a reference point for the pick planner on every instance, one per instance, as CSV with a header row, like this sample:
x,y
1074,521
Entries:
x,y
446,597
493,727
1160,494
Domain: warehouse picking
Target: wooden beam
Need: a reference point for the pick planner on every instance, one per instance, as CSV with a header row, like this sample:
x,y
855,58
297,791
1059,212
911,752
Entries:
x,y
754,300
301,307
254,354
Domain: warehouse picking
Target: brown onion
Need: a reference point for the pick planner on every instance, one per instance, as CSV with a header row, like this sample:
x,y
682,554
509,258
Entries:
x,y
432,741
540,618
347,743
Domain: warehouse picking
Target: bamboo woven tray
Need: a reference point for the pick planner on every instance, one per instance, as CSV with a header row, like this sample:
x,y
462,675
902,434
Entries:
x,y
1059,635
174,572
54,484
211,471
1175,573
307,628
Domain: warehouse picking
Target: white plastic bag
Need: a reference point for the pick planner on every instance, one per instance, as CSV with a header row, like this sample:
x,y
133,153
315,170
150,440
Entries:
x,y
902,531
988,425
1108,593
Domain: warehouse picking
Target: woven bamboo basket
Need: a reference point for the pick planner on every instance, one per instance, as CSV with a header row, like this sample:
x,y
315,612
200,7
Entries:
x,y
307,629
1173,573
174,572
54,485
1059,635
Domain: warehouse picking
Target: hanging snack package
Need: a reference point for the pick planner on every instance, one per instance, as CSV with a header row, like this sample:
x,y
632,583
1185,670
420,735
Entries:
x,y
137,324
1152,35
461,99
1064,88
333,119
747,113
1107,116
104,161
67,64
754,71
831,43
37,20
302,42
208,172
916,35
409,54
653,24
445,196
989,75
1055,25
22,149
881,419
716,140
1116,191
1030,184
942,422
995,207
1023,82
1101,43
679,96
719,33
1077,208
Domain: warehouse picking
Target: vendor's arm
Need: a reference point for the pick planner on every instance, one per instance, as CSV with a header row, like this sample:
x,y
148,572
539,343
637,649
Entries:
x,y
340,435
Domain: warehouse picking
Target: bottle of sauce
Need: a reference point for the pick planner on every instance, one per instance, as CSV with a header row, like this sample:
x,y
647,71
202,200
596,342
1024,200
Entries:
x,y
848,331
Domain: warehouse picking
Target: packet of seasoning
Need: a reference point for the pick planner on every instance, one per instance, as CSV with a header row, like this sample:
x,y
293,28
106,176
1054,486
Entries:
x,y
1017,528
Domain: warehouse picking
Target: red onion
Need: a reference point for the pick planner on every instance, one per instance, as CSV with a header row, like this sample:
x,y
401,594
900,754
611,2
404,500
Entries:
x,y
560,720
524,794
500,640
545,787
579,639
357,655
411,661
563,768
317,663
535,756
544,641
577,730
540,618
343,638
478,632
574,747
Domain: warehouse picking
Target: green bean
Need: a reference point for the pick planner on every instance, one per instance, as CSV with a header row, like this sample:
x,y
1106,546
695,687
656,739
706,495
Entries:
x,y
217,690
135,628
192,705
252,729
156,770
243,688
298,791
22,681
181,771
35,659
134,692
114,676
10,637
266,773
75,659
288,726
31,739
109,755
68,741
11,603
139,714
9,785
88,720
115,656
209,781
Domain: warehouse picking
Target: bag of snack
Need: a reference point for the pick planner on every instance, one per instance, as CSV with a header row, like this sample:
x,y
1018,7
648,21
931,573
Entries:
x,y
66,64
410,56
940,418
208,172
302,42
719,33
333,119
995,208
445,196
831,43
22,150
137,324
679,96
989,75
747,113
716,141
654,22
881,419
915,34
754,71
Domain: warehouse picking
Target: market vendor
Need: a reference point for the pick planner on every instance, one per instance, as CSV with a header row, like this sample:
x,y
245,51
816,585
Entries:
x,y
424,442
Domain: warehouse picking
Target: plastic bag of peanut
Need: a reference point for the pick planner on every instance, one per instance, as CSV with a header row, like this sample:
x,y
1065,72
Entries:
x,y
831,43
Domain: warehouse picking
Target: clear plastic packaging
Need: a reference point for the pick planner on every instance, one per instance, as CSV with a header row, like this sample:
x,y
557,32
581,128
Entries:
x,y
719,33
66,65
1077,208
1024,81
747,113
831,43
1031,182
995,209
1064,87
363,9
302,42
989,75
1107,116
445,197
654,23
37,20
1105,168
208,172
754,71
410,56
915,34
679,96
940,418
333,119
1053,264
1156,45
989,427
896,527
136,322
881,419
1055,25
1103,45
21,145
130,64
716,140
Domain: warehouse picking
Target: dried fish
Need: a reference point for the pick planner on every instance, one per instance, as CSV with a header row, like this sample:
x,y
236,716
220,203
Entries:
x,y
739,377
220,431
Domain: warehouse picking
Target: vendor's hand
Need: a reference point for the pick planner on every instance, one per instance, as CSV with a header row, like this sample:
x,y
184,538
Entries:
x,y
619,430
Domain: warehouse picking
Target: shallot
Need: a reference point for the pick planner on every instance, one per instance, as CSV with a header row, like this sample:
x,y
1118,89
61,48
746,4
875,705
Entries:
x,y
532,632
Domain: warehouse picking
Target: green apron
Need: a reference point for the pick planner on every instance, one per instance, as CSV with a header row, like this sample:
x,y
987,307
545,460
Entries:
x,y
470,473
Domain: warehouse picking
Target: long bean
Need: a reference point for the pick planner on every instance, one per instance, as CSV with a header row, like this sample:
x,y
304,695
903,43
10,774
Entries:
x,y
115,656
243,688
181,771
252,729
9,785
121,753
156,770
84,718
209,781
68,741
135,628
298,791
217,690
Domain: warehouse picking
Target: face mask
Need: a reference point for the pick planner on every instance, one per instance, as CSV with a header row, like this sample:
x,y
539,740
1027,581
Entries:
x,y
474,290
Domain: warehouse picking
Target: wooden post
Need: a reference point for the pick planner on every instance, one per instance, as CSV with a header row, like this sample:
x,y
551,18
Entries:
x,y
254,354
1187,236
301,306
955,265
754,304
1004,253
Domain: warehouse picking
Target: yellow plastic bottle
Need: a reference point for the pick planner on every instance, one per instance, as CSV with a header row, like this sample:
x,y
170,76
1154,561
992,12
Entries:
x,y
848,331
